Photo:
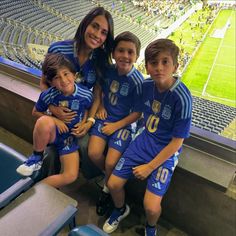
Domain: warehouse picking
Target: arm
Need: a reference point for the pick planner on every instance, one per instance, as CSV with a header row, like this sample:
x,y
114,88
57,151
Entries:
x,y
84,128
110,128
142,171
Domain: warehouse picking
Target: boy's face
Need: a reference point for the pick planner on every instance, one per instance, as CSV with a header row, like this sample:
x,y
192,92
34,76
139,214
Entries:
x,y
96,32
161,68
125,55
64,81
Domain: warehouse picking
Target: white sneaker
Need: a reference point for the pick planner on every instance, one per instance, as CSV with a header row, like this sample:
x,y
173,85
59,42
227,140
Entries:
x,y
33,163
113,221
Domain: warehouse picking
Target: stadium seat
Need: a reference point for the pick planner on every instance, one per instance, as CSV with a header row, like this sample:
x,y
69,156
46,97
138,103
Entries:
x,y
87,230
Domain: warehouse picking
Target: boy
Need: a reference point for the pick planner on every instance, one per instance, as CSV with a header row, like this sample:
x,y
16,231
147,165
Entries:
x,y
60,74
167,107
121,88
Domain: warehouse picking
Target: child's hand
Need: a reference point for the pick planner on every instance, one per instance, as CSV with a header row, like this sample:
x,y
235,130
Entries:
x,y
63,113
62,127
109,128
142,171
101,113
80,129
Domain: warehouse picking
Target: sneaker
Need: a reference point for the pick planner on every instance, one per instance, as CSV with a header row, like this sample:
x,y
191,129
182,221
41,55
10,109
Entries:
x,y
113,221
33,163
150,231
104,203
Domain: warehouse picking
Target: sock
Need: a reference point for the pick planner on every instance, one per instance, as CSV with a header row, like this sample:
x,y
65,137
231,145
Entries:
x,y
39,153
121,209
105,189
150,226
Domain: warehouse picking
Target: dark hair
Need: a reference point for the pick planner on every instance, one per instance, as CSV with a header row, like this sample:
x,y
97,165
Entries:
x,y
103,55
130,37
161,45
53,62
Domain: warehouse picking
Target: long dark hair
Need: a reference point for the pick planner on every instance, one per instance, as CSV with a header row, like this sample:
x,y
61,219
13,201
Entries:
x,y
102,55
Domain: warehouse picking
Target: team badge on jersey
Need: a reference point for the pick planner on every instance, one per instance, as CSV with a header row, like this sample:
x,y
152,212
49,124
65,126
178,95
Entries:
x,y
114,86
124,90
156,106
64,104
91,77
75,105
120,164
166,113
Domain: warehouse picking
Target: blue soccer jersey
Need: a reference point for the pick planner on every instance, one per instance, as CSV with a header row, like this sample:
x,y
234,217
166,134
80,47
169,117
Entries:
x,y
79,101
86,73
167,114
121,93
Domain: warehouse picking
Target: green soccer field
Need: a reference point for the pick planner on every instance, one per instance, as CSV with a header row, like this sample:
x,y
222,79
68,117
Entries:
x,y
211,72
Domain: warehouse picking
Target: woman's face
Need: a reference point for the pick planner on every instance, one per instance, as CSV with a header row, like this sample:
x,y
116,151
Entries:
x,y
96,32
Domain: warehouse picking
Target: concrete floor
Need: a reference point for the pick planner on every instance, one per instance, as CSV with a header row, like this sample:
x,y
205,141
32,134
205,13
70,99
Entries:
x,y
86,193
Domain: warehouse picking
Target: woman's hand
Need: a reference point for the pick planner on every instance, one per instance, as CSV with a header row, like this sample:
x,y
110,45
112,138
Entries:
x,y
101,113
62,127
142,171
81,129
63,113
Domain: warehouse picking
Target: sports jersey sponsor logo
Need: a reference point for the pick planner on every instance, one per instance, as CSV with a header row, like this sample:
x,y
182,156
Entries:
x,y
124,90
114,86
119,143
156,185
120,164
156,106
75,105
91,76
64,103
147,103
166,113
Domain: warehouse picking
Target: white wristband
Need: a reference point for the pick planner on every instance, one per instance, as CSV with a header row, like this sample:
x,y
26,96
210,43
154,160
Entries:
x,y
91,119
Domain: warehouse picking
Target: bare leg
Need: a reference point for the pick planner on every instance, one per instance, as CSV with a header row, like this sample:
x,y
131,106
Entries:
x,y
44,133
152,206
116,187
70,164
95,151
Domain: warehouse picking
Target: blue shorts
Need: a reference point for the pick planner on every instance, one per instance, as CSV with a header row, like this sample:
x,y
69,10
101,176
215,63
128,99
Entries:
x,y
65,143
158,181
119,140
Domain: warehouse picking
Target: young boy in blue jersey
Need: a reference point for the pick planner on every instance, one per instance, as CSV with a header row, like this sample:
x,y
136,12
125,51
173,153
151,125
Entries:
x,y
60,74
121,88
153,155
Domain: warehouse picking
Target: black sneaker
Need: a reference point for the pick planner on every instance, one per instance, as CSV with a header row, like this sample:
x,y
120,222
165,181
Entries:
x,y
104,203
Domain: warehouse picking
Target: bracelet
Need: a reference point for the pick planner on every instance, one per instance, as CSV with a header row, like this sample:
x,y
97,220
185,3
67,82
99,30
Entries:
x,y
91,119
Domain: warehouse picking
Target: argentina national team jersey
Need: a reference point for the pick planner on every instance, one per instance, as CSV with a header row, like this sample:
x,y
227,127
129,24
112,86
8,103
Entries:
x,y
86,73
79,101
121,93
167,114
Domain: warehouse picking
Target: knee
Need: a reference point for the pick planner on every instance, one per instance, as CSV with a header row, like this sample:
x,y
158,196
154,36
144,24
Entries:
x,y
93,154
152,210
70,177
45,123
114,187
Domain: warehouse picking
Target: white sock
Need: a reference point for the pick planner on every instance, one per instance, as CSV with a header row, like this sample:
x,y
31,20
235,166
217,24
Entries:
x,y
105,189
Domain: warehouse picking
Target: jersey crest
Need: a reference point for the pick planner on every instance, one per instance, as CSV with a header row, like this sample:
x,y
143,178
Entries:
x,y
124,90
114,86
156,106
75,105
166,113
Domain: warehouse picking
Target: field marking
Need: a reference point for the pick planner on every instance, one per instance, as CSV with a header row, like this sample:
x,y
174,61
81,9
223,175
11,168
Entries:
x,y
216,57
224,65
